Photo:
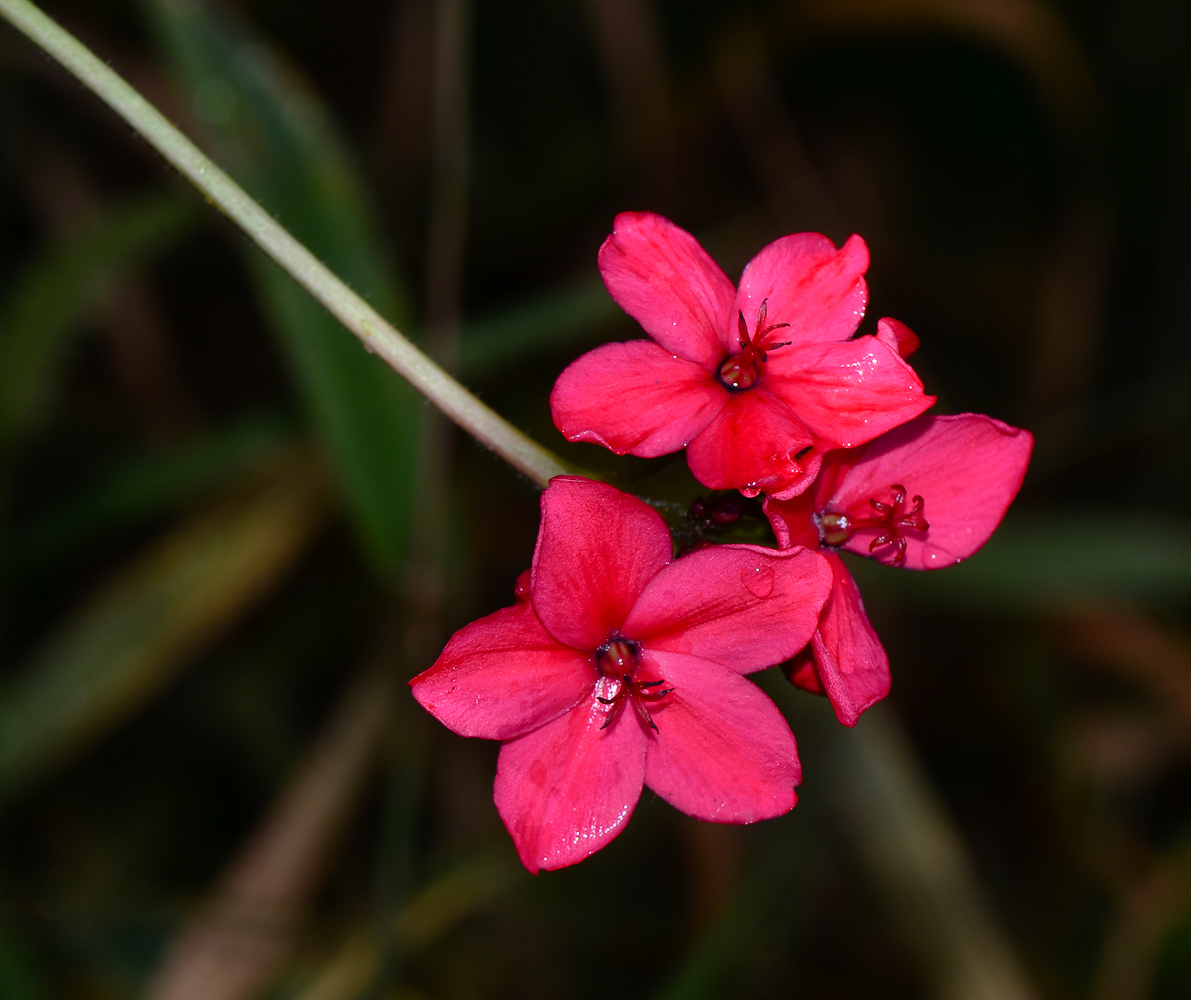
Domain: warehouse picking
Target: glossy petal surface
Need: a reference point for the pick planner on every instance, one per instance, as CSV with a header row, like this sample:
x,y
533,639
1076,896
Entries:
x,y
846,393
567,789
967,467
852,666
635,398
597,549
502,676
723,752
661,276
817,289
793,520
898,336
751,445
741,606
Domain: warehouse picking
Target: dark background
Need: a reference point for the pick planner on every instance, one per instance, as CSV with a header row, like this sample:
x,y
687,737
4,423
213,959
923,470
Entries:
x,y
228,536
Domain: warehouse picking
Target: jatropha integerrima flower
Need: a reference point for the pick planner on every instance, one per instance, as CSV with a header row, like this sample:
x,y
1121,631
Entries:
x,y
755,383
621,667
923,496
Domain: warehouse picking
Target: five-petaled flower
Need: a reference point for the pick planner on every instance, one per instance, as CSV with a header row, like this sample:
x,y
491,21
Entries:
x,y
757,382
923,496
619,667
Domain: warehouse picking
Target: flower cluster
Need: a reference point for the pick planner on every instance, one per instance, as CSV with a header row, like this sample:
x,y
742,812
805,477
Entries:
x,y
621,666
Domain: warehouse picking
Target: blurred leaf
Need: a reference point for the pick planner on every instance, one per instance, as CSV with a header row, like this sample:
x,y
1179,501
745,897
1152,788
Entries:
x,y
144,486
552,322
233,947
772,891
47,301
145,625
912,851
1036,561
1151,911
443,904
1031,32
457,894
274,135
19,979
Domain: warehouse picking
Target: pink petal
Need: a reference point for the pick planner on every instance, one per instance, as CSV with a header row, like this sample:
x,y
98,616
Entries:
x,y
722,751
801,672
741,606
793,520
968,469
597,549
751,445
503,676
660,276
817,289
567,789
850,660
635,397
898,336
846,393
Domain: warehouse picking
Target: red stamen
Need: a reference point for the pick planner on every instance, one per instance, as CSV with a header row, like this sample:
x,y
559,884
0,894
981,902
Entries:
x,y
741,371
836,528
618,659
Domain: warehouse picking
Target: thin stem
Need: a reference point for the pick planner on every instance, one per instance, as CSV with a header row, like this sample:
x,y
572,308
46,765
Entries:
x,y
378,335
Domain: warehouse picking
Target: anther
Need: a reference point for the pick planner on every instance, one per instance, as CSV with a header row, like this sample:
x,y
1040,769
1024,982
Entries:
x,y
741,371
892,520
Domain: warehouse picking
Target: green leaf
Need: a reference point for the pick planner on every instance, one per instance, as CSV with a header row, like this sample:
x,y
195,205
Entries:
x,y
49,299
273,134
552,322
142,486
148,622
1036,561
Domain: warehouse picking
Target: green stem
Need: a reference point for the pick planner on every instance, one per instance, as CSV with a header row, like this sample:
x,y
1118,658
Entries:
x,y
377,334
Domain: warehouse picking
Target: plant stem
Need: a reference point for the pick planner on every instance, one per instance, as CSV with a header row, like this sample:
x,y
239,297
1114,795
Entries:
x,y
377,334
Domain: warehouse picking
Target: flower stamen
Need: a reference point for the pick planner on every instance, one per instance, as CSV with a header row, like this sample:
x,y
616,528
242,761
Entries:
x,y
741,371
892,520
617,660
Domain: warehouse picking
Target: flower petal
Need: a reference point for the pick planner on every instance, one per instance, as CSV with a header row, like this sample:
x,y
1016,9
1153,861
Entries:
x,y
597,549
793,520
741,606
849,658
503,676
897,335
663,278
817,289
567,789
722,752
846,393
635,398
750,445
968,469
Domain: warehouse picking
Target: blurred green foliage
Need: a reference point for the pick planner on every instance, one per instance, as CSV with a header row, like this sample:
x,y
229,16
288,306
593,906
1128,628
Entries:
x,y
276,138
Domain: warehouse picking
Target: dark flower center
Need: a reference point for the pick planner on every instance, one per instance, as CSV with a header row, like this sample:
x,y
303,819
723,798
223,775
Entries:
x,y
891,520
741,371
618,660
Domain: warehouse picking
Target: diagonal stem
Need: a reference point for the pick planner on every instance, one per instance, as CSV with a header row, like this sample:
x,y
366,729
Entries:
x,y
377,334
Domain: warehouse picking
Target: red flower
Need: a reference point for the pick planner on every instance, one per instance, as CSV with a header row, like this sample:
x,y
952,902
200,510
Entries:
x,y
923,496
755,383
621,668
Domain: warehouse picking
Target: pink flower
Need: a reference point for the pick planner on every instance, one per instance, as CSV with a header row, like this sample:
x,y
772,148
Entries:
x,y
621,668
755,383
923,496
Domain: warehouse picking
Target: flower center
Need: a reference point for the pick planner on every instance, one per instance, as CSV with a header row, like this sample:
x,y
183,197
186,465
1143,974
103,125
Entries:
x,y
741,371
618,660
891,520
617,657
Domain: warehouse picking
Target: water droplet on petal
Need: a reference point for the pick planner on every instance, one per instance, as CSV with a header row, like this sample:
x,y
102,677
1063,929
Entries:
x,y
759,581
